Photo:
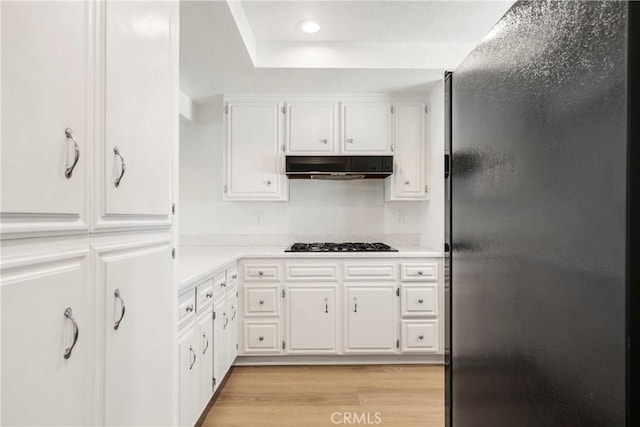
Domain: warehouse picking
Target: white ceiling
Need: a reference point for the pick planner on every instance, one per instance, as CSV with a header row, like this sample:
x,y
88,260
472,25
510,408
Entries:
x,y
363,46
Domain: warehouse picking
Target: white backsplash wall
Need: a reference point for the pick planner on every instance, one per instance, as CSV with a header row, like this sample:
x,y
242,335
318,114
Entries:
x,y
327,208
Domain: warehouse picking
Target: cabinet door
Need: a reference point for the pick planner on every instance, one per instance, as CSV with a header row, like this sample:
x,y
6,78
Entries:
x,y
45,89
138,299
232,327
188,363
311,128
311,319
41,298
220,323
205,354
408,181
254,160
140,115
366,128
370,313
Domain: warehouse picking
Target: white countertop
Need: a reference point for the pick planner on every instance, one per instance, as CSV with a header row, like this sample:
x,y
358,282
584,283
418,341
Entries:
x,y
194,263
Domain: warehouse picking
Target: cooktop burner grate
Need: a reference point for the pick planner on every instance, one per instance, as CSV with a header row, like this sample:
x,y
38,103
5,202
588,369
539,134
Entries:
x,y
340,247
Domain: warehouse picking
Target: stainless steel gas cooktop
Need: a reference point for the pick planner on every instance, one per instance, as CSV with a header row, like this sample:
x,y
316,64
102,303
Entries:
x,y
340,247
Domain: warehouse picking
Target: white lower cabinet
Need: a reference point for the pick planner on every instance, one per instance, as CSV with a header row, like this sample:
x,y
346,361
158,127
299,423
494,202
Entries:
x,y
47,338
189,377
371,320
135,280
208,318
312,319
419,336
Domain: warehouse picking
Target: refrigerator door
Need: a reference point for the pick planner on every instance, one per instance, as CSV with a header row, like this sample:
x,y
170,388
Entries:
x,y
538,219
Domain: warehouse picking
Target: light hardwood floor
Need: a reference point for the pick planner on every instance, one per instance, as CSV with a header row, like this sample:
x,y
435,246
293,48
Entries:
x,y
310,396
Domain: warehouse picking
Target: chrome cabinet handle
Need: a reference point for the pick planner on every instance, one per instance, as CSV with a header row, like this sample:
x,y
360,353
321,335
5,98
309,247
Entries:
x,y
420,301
69,169
223,284
350,140
260,273
420,273
261,302
69,315
326,305
194,357
261,338
324,141
206,342
355,304
117,295
269,182
189,308
234,277
234,312
420,337
209,294
406,183
226,320
116,151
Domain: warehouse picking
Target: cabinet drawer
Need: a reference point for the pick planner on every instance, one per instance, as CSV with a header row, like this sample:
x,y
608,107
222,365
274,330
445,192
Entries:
x,y
312,273
261,337
419,300
204,294
419,336
186,307
423,272
219,283
370,272
261,301
261,273
232,276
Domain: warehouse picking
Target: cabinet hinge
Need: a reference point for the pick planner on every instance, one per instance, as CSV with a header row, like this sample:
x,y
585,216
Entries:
x,y
283,346
284,149
283,292
236,346
214,382
173,209
226,108
214,315
284,108
391,147
397,343
426,188
426,109
392,110
226,189
397,292
173,253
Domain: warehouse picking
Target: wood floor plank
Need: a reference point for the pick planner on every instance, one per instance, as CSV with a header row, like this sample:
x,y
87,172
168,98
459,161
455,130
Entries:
x,y
309,396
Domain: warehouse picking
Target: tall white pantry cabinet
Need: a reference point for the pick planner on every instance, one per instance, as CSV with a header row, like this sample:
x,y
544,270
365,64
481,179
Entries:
x,y
88,152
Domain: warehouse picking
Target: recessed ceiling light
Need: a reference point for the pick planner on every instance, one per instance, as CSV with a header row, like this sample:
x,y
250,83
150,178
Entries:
x,y
309,26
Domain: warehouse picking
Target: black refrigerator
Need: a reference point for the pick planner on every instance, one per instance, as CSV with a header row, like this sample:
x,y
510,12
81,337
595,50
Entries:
x,y
542,201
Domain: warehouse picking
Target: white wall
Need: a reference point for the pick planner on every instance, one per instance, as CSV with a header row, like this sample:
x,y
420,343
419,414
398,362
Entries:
x,y
315,207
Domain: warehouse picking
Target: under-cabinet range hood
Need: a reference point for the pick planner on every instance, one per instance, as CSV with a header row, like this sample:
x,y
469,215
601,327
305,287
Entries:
x,y
339,167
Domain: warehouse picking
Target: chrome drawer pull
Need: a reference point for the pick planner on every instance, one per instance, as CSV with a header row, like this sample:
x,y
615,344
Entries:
x,y
209,294
69,169
324,141
261,302
350,140
117,295
69,315
206,342
194,357
234,312
355,304
420,337
326,305
260,273
420,301
189,308
261,338
226,320
234,277
116,151
420,273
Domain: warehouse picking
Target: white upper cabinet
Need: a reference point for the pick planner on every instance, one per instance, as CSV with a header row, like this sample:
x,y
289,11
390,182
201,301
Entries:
x,y
312,128
366,128
46,88
408,181
140,114
254,159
